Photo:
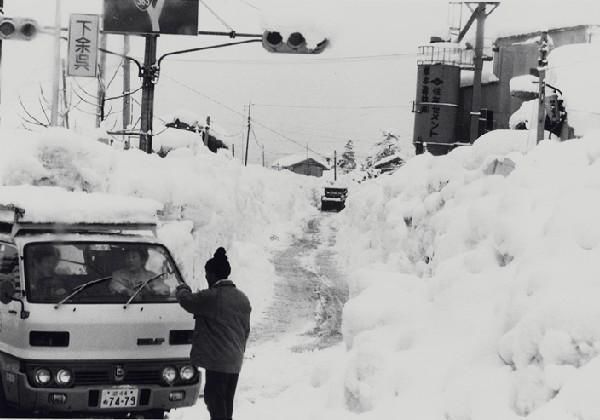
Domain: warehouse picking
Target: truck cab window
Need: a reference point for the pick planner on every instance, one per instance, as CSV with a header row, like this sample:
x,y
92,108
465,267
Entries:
x,y
9,264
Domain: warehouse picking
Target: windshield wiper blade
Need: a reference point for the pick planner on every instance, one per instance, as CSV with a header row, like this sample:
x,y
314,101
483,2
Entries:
x,y
80,288
140,287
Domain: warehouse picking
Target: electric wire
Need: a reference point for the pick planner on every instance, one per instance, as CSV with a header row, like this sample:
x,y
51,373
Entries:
x,y
247,3
216,15
259,123
326,60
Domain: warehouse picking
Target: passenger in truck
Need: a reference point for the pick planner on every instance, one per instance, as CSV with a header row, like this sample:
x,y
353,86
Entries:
x,y
45,282
127,280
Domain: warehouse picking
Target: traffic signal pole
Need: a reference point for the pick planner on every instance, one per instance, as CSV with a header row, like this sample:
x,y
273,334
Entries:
x,y
1,13
149,71
56,67
542,63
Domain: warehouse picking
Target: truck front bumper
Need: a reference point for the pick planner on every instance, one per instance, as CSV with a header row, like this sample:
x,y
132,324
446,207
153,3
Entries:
x,y
22,396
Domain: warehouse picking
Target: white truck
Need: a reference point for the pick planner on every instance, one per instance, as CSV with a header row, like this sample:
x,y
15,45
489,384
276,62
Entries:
x,y
69,343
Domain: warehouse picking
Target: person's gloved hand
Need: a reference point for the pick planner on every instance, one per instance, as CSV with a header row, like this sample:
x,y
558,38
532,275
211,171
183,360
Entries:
x,y
180,288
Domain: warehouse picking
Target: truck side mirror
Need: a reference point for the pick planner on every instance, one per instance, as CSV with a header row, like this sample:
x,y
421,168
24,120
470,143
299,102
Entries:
x,y
7,291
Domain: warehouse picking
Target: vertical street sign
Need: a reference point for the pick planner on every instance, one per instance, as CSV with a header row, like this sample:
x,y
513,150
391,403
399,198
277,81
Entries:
x,y
83,45
175,17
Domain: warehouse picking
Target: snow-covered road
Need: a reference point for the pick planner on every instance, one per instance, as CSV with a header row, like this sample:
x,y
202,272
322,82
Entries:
x,y
302,326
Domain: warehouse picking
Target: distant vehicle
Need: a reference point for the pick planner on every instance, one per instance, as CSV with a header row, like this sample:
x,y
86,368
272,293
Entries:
x,y
70,344
334,199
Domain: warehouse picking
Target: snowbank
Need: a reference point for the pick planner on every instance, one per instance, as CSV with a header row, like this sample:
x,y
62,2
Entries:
x,y
210,200
572,70
475,296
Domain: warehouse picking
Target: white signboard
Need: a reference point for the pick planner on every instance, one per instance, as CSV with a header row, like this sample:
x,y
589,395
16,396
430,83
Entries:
x,y
83,45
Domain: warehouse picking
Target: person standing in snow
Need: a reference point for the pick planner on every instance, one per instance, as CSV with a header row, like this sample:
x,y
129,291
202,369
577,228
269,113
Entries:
x,y
222,314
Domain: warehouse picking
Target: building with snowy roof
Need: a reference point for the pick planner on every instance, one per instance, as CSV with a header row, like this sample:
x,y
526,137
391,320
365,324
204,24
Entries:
x,y
302,164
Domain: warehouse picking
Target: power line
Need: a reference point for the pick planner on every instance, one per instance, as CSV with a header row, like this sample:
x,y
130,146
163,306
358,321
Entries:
x,y
359,58
283,136
216,15
247,3
340,107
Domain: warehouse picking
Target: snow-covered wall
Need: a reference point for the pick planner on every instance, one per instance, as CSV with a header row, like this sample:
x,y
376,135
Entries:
x,y
211,199
474,285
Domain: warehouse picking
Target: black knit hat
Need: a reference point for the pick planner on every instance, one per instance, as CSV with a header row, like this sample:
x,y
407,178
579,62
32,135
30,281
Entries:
x,y
219,265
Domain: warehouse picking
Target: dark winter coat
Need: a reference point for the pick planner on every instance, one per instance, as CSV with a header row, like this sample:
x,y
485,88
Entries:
x,y
222,315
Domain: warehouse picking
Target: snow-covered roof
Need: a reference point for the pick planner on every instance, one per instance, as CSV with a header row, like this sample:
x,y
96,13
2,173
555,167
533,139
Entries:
x,y
388,159
526,83
291,160
57,205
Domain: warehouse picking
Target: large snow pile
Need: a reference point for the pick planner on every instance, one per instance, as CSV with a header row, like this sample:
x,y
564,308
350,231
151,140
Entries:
x,y
211,200
474,292
572,70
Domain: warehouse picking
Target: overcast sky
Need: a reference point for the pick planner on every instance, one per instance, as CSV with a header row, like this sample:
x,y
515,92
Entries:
x,y
363,84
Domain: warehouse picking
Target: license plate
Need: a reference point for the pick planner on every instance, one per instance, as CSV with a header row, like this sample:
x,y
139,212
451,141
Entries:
x,y
119,398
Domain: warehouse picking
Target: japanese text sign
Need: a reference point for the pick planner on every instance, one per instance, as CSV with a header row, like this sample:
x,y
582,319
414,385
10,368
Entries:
x,y
83,45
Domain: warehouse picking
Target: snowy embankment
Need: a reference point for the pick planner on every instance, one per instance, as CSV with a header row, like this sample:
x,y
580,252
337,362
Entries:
x,y
474,287
210,199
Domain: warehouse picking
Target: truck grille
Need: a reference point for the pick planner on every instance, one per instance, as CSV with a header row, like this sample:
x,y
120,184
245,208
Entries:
x,y
105,375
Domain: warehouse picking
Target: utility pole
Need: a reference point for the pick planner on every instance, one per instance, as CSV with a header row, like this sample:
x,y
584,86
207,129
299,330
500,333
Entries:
x,y
480,14
233,150
335,165
149,73
1,13
126,91
542,64
248,135
478,61
101,95
263,155
56,67
64,94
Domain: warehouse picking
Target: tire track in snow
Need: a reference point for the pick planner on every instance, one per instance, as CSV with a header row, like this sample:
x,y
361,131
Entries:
x,y
310,293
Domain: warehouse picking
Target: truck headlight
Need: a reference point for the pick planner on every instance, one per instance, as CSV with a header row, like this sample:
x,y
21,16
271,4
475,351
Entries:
x,y
63,377
42,376
169,374
187,373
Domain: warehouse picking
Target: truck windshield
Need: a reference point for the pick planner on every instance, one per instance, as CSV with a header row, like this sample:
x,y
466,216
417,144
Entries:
x,y
111,272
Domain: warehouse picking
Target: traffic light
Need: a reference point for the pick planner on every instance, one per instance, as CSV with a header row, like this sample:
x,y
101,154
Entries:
x,y
24,29
295,44
552,110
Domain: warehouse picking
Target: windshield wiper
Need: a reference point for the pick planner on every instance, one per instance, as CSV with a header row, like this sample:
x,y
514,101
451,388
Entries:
x,y
140,287
81,287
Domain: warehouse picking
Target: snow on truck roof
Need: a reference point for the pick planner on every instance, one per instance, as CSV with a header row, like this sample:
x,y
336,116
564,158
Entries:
x,y
57,205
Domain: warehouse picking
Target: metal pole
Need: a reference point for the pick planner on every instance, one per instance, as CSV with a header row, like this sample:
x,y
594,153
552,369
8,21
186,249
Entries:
x,y
478,61
1,13
101,88
148,74
542,86
56,67
126,90
248,136
335,165
64,91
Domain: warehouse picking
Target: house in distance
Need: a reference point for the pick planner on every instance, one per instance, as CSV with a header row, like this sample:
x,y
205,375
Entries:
x,y
302,164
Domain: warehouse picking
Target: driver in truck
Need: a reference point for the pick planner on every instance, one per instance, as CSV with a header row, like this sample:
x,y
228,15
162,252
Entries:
x,y
127,280
44,279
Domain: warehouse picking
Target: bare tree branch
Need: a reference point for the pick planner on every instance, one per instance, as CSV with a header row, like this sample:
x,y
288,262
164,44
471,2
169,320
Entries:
x,y
82,99
32,118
